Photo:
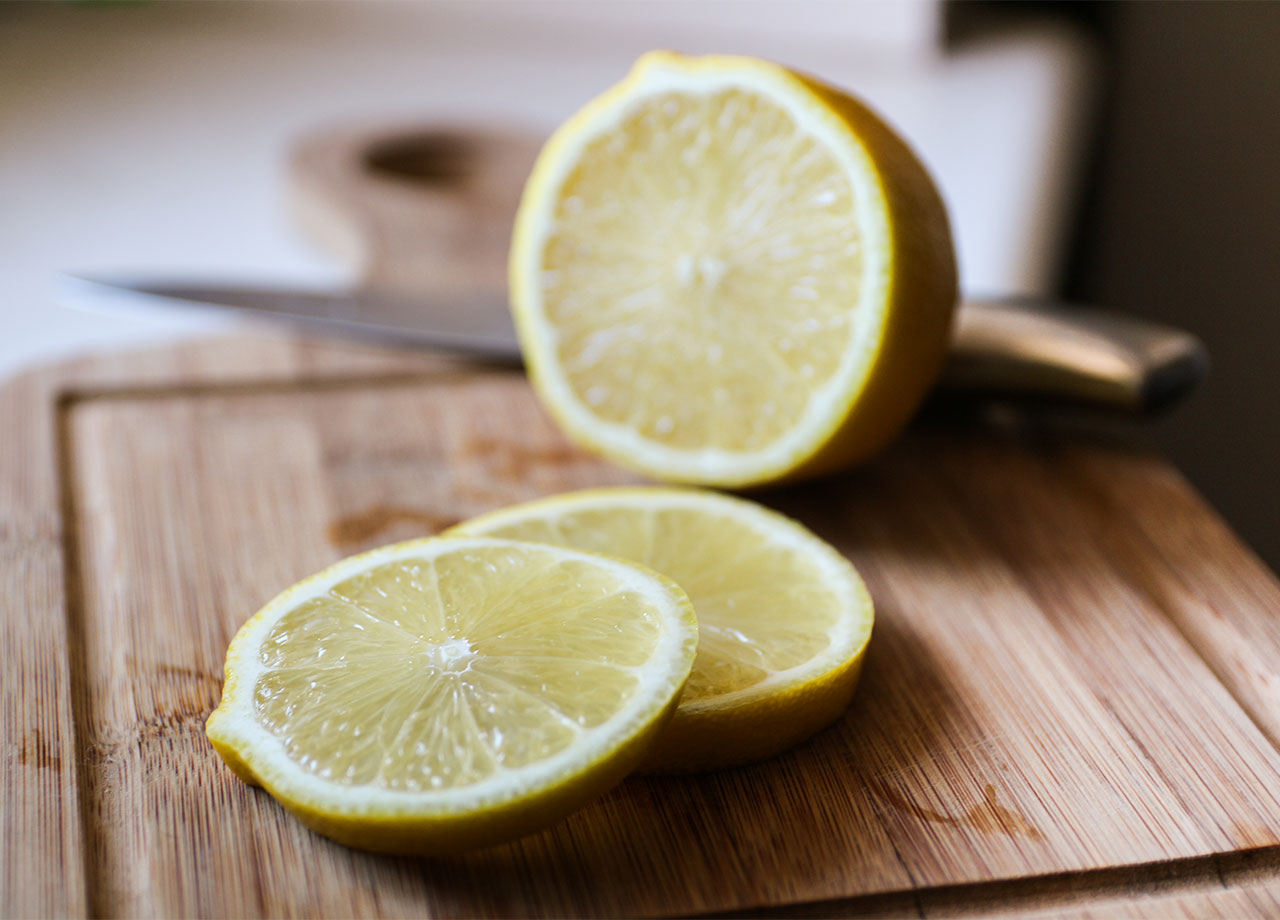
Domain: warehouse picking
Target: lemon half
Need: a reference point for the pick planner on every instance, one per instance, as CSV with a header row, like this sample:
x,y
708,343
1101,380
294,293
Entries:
x,y
783,618
724,272
442,694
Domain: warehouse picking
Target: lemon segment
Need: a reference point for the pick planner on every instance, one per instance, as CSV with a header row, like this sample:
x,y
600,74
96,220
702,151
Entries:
x,y
783,618
441,694
724,273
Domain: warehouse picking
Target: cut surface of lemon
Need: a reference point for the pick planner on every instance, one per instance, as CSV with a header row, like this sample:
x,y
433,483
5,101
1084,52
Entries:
x,y
442,694
724,272
783,618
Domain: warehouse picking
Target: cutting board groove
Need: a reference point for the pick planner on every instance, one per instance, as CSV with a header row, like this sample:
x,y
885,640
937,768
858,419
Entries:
x,y
76,653
1070,703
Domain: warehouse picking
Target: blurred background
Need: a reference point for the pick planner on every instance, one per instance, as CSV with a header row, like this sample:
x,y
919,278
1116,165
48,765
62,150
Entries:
x,y
1119,154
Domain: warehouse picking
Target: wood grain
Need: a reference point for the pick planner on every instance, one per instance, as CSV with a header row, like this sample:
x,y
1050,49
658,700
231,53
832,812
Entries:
x,y
414,210
1068,705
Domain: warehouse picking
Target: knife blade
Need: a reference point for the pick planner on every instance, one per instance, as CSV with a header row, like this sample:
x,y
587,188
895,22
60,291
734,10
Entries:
x,y
1000,349
477,326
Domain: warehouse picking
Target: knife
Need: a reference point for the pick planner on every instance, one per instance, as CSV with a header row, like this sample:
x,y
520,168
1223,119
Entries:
x,y
1001,349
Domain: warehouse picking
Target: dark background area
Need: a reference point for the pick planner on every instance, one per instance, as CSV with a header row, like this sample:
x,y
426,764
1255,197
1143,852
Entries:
x,y
1179,221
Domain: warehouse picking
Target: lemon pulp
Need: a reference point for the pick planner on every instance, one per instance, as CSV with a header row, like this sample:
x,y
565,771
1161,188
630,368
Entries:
x,y
706,237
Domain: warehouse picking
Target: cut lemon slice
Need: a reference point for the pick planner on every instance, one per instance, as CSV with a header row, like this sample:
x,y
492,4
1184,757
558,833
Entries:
x,y
783,618
442,694
727,273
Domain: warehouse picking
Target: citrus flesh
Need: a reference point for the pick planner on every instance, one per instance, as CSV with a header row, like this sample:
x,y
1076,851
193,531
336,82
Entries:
x,y
783,618
725,273
442,694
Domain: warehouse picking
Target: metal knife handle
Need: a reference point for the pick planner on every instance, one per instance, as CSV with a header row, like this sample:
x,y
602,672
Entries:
x,y
1077,355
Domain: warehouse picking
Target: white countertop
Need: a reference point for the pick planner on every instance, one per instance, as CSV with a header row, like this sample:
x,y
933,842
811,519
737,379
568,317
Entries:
x,y
151,137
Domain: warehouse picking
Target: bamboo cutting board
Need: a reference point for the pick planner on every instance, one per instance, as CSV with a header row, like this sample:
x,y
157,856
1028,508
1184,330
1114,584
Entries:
x,y
1070,707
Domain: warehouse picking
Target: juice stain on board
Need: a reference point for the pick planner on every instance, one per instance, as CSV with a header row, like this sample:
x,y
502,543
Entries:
x,y
987,816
